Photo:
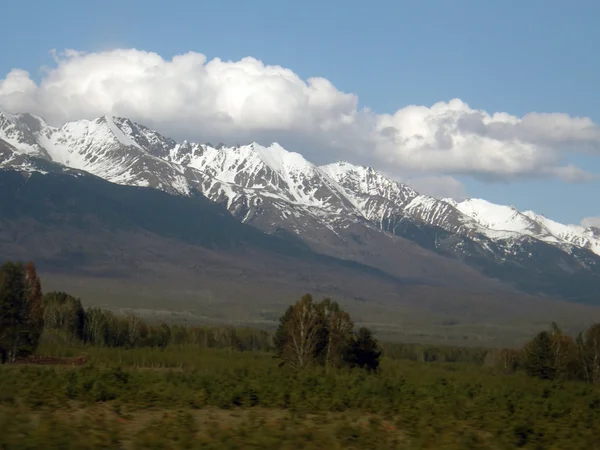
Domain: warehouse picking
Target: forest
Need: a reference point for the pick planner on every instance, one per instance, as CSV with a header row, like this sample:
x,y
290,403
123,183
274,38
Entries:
x,y
86,378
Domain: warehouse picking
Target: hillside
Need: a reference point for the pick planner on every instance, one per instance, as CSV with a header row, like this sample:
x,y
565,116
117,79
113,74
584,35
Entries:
x,y
140,248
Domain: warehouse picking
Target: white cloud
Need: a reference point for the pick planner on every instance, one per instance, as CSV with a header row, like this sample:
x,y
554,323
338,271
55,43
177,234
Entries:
x,y
439,187
236,102
570,173
590,222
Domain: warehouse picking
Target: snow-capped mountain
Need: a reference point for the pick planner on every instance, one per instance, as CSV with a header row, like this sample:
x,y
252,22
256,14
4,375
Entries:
x,y
387,203
343,209
95,146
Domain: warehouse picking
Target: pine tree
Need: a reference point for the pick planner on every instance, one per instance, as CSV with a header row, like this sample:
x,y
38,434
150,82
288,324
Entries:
x,y
13,309
540,357
34,321
364,351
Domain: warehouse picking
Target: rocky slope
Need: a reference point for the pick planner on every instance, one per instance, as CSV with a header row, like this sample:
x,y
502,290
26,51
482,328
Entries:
x,y
340,209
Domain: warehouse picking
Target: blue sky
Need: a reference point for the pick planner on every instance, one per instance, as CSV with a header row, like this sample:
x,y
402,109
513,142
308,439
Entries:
x,y
515,57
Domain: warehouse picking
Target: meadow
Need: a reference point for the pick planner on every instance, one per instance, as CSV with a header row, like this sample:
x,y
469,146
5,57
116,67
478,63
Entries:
x,y
191,397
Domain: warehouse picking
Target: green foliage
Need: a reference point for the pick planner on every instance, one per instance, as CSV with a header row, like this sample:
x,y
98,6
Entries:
x,y
539,357
21,311
64,312
363,350
588,346
435,353
13,308
552,355
321,333
22,430
235,397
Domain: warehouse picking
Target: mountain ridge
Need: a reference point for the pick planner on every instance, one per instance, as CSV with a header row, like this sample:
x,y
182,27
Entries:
x,y
339,208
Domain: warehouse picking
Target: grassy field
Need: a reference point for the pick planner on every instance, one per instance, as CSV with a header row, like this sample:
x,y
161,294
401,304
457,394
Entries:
x,y
186,397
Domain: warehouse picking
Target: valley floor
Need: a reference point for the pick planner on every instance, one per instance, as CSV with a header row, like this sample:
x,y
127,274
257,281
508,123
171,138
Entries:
x,y
486,320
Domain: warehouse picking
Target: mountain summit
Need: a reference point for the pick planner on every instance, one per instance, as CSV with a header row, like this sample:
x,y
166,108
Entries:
x,y
340,209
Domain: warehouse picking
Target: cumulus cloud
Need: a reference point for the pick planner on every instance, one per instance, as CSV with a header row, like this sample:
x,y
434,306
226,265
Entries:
x,y
439,187
590,222
191,97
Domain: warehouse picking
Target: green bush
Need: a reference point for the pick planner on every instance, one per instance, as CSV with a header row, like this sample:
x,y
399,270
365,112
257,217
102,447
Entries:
x,y
436,405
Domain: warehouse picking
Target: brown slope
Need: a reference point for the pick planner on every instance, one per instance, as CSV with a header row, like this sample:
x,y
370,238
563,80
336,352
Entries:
x,y
157,276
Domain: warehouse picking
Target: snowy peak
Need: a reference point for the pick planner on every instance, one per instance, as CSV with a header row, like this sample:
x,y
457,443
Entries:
x,y
440,214
150,140
450,201
498,217
270,172
508,219
367,181
98,146
254,178
391,204
33,123
108,123
282,161
572,234
20,130
86,143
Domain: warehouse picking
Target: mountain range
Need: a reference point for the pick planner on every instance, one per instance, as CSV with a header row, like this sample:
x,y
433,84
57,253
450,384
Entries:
x,y
340,210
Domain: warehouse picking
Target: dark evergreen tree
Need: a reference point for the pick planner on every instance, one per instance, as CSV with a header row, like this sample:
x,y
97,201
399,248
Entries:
x,y
34,322
21,310
281,338
13,309
539,357
363,351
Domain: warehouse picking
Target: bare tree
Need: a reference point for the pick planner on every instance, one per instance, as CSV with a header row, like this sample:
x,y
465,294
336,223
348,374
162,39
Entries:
x,y
339,328
588,345
323,333
565,353
95,327
300,333
133,329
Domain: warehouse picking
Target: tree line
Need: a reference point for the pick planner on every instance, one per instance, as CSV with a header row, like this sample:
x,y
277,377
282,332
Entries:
x,y
309,333
26,313
554,355
66,320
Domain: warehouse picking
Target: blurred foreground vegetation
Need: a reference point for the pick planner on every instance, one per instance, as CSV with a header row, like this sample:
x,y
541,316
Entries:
x,y
190,397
